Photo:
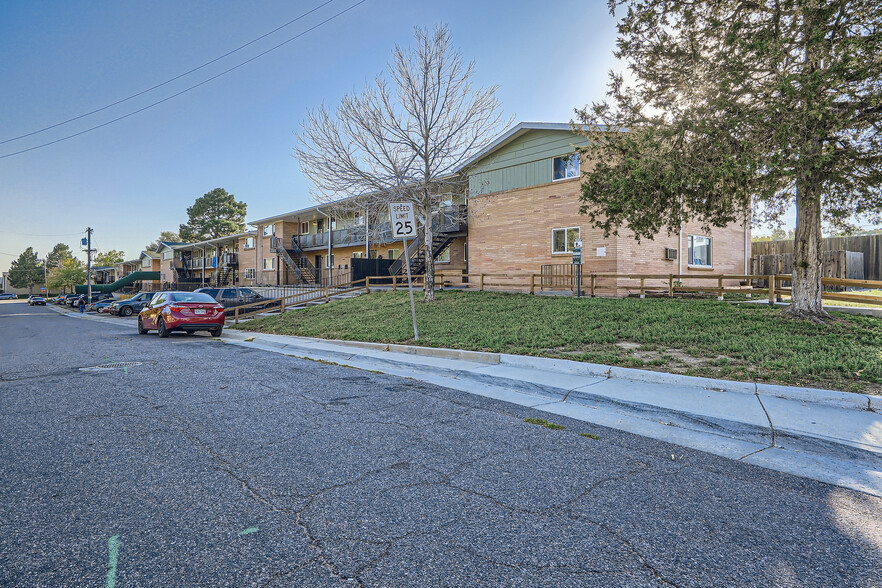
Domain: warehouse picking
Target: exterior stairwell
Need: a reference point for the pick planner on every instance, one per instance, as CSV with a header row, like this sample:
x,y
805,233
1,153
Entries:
x,y
222,276
445,231
296,261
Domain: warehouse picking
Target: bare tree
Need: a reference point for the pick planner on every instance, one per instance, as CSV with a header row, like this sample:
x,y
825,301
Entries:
x,y
405,138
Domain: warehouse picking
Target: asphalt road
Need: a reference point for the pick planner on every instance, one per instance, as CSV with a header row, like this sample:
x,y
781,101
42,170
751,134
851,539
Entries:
x,y
208,464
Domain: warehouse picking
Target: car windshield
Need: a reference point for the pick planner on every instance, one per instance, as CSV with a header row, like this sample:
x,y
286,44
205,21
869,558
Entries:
x,y
190,297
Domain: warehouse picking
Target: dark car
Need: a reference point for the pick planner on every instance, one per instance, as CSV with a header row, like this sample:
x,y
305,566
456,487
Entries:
x,y
182,311
132,305
101,305
37,301
8,296
70,299
235,296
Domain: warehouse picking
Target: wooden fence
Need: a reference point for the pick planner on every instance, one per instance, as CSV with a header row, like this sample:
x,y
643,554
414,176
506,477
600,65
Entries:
x,y
594,284
869,245
847,265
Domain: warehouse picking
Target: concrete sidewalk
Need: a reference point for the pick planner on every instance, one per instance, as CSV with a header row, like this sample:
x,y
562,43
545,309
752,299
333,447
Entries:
x,y
826,435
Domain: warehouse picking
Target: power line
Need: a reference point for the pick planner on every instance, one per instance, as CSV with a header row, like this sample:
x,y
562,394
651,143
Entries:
x,y
193,87
32,235
177,77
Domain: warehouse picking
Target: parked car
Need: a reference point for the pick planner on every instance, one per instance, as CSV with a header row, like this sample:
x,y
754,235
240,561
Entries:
x,y
132,305
236,296
101,305
8,296
71,299
182,311
37,301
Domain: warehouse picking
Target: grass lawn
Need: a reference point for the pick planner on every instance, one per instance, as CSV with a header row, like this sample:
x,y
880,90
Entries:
x,y
695,336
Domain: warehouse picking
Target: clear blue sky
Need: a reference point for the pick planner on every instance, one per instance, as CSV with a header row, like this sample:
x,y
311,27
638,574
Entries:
x,y
136,177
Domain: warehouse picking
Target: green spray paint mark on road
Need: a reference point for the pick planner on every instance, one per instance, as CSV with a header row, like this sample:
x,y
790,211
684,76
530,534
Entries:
x,y
249,530
126,370
113,555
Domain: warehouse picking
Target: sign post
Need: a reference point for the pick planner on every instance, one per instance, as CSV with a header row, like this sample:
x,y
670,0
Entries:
x,y
577,261
403,223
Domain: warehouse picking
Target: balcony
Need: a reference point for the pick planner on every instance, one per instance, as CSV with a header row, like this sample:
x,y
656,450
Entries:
x,y
229,259
450,220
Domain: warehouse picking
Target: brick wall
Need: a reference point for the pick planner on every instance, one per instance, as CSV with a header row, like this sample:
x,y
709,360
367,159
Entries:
x,y
511,232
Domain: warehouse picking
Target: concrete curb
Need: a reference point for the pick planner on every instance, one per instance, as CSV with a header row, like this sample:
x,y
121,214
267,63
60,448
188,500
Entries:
x,y
836,398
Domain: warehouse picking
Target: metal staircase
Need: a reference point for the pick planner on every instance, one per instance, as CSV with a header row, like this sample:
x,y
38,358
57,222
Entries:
x,y
298,263
446,230
222,276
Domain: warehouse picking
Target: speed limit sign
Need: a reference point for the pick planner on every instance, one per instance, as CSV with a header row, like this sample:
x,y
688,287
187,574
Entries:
x,y
403,220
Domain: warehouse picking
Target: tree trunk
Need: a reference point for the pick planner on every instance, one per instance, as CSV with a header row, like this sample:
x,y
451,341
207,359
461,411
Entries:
x,y
429,282
805,301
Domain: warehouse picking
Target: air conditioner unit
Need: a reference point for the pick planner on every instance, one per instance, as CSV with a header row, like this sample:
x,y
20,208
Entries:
x,y
670,253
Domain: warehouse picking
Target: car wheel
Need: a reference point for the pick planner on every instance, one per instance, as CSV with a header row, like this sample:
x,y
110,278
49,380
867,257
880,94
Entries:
x,y
216,332
125,311
141,329
163,332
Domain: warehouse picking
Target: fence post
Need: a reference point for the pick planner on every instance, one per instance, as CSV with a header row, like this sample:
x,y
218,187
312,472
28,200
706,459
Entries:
x,y
771,280
593,283
481,282
236,315
720,284
670,285
327,293
282,307
532,283
394,283
367,284
642,286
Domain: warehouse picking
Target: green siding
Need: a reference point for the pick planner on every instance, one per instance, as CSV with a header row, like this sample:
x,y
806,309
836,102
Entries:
x,y
524,162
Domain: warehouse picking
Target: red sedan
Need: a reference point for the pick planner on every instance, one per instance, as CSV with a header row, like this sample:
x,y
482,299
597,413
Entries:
x,y
182,311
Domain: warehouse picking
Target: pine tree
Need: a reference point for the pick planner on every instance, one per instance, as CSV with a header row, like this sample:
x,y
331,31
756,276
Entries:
x,y
734,104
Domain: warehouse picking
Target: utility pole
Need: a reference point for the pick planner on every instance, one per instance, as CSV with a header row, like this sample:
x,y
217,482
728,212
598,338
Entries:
x,y
88,265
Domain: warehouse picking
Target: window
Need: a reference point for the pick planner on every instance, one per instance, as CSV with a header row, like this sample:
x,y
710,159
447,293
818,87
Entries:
x,y
699,251
249,243
304,228
269,263
190,297
168,254
357,254
444,256
565,167
249,273
269,230
562,239
359,220
146,262
393,253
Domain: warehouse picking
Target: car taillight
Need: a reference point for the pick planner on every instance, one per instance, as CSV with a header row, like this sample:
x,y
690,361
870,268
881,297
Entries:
x,y
218,307
176,308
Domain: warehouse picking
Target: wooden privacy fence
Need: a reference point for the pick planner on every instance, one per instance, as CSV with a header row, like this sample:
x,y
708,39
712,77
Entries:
x,y
847,265
593,284
869,245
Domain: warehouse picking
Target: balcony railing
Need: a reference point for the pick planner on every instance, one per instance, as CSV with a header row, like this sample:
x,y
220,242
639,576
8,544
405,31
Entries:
x,y
229,259
450,220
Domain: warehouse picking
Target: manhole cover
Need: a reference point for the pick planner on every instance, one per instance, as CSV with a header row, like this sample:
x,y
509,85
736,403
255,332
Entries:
x,y
111,366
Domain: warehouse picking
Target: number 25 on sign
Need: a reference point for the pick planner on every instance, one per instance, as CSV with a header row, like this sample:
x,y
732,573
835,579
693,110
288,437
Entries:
x,y
403,221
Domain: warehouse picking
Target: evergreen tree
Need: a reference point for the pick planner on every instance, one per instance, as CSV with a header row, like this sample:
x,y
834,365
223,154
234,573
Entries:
x,y
734,104
215,214
26,271
59,253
